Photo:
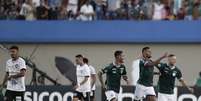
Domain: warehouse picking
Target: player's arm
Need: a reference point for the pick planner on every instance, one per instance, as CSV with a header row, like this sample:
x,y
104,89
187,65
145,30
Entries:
x,y
85,80
125,77
100,73
21,74
156,62
93,77
5,79
185,85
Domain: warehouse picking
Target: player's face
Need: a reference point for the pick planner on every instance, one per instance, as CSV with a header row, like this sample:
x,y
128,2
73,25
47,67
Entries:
x,y
13,53
120,58
147,53
172,60
78,60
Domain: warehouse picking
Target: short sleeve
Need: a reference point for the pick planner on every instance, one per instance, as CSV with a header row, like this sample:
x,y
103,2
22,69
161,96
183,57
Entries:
x,y
179,75
104,70
91,9
86,71
22,64
92,70
124,71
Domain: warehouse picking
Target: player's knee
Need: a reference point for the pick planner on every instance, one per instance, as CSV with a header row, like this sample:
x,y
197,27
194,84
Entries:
x,y
113,99
151,98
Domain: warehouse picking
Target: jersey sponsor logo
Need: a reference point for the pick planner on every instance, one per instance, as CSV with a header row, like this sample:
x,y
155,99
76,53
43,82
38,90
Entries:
x,y
114,70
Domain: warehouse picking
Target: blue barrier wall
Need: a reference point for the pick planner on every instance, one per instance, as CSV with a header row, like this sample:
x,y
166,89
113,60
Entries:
x,y
100,32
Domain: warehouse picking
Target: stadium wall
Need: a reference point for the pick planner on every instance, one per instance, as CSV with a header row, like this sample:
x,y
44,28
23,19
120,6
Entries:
x,y
98,40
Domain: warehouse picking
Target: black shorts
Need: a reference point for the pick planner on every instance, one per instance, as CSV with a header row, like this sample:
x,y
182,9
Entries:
x,y
92,95
80,95
14,96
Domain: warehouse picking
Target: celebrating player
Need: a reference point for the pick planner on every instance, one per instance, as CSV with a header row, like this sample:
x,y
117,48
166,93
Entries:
x,y
168,73
15,76
144,87
93,79
83,87
114,72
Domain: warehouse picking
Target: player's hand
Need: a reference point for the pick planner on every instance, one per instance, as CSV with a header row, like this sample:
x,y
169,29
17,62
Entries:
x,y
165,55
103,87
75,87
128,82
9,77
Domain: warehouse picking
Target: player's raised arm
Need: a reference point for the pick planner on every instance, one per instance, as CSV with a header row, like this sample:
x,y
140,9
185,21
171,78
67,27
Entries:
x,y
156,62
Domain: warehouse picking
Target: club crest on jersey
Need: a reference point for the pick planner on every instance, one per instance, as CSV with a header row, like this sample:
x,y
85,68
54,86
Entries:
x,y
17,66
174,74
121,70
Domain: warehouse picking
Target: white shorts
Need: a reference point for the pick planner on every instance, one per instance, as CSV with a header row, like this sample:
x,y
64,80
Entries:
x,y
110,94
166,97
142,91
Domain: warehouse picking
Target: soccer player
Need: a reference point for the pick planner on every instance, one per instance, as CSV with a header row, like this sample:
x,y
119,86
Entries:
x,y
114,72
168,73
144,87
15,76
93,79
83,87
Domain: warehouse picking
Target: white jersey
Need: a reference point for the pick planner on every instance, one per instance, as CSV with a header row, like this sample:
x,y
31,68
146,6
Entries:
x,y
73,2
13,68
92,72
86,9
158,11
82,72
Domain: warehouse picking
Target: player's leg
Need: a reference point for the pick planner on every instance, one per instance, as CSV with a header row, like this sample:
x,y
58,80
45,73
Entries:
x,y
92,95
162,97
77,96
9,96
139,92
150,94
150,98
86,96
19,96
111,95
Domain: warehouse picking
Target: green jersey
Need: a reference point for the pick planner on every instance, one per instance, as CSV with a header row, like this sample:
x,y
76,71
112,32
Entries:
x,y
167,78
146,73
198,82
113,76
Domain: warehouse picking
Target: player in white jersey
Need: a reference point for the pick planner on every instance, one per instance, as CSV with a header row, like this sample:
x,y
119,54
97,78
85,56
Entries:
x,y
93,79
15,76
83,87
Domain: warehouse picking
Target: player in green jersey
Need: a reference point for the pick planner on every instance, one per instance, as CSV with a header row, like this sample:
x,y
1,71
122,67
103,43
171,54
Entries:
x,y
114,72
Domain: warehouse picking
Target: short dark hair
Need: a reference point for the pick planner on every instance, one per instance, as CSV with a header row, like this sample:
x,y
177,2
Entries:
x,y
79,56
14,47
171,55
145,48
117,53
85,60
